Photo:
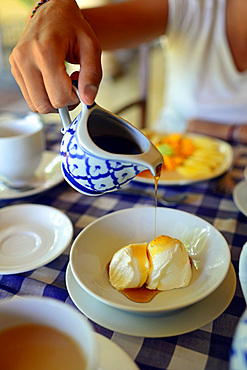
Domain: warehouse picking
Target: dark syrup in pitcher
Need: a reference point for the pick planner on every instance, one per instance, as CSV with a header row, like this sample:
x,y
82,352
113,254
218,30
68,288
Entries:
x,y
111,134
116,144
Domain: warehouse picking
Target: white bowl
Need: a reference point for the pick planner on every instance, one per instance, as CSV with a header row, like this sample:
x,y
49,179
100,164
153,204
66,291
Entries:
x,y
94,247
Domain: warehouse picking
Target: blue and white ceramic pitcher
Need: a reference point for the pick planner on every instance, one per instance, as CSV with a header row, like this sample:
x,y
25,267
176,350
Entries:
x,y
101,152
238,357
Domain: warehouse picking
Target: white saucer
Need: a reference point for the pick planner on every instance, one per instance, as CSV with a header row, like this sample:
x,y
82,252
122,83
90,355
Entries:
x,y
112,357
240,196
31,236
95,245
174,323
47,175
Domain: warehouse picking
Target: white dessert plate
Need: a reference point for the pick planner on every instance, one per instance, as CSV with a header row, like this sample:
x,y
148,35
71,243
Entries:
x,y
94,247
174,178
31,236
173,323
240,196
47,176
112,357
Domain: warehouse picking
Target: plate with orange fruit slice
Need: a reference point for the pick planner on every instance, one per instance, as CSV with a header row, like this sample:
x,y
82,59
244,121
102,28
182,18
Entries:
x,y
188,158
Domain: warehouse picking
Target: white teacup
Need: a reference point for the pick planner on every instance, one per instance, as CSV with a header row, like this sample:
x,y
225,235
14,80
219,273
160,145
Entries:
x,y
21,147
57,315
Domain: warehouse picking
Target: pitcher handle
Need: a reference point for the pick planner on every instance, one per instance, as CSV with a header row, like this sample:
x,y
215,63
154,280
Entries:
x,y
65,118
64,111
243,270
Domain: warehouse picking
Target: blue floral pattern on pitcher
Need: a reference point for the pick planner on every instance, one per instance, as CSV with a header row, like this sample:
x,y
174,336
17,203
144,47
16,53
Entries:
x,y
92,170
90,174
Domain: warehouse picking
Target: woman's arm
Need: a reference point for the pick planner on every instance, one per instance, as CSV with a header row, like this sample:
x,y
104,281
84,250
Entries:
x,y
60,31
128,23
234,133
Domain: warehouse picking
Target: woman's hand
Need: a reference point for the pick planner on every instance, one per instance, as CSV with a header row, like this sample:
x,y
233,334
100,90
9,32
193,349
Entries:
x,y
57,33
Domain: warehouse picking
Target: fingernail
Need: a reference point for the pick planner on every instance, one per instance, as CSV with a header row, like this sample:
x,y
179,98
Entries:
x,y
90,93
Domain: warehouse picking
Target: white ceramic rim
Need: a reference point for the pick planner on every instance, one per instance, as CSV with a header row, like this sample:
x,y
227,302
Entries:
x,y
26,126
240,196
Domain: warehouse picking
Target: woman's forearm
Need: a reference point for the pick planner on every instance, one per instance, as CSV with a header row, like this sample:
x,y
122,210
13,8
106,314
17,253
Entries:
x,y
235,133
127,24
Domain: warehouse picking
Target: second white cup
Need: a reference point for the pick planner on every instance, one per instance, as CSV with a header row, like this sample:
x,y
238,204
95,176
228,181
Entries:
x,y
44,333
21,148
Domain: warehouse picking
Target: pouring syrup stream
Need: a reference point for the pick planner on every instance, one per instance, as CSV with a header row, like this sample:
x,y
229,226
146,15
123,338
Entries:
x,y
144,295
156,180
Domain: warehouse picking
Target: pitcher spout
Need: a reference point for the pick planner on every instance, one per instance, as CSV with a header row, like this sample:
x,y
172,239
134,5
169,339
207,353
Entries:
x,y
152,159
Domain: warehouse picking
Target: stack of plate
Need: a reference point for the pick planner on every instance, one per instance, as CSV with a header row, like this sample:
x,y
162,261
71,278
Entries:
x,y
171,312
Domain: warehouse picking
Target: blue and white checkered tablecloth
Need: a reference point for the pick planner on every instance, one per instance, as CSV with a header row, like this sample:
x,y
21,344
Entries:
x,y
205,348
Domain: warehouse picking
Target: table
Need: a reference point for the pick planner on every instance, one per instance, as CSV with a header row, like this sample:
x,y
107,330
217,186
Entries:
x,y
205,348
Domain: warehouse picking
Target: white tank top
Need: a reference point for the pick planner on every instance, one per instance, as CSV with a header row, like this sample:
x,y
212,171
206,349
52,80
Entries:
x,y
202,79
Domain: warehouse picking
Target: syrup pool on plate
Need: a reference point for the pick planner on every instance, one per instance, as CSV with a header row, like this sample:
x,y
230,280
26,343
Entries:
x,y
143,295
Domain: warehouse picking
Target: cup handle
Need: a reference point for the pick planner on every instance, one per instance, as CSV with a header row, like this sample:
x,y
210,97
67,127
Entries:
x,y
243,270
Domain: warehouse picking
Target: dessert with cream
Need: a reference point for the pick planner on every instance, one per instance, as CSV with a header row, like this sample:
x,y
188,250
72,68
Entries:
x,y
129,267
162,264
170,266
